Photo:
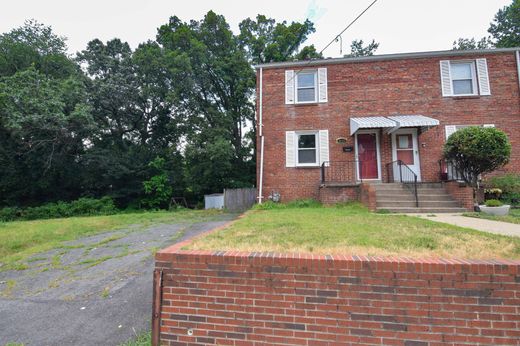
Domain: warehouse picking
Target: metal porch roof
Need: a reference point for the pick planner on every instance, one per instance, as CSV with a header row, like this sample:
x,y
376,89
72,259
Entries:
x,y
370,123
391,123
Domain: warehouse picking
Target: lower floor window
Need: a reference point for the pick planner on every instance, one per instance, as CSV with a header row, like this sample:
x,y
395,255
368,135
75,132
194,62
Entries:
x,y
307,149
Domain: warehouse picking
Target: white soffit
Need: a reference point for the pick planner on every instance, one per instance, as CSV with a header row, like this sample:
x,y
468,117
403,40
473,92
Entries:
x,y
370,123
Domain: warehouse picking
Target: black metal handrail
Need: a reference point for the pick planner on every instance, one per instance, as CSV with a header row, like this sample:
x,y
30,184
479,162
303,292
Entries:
x,y
448,171
406,176
340,172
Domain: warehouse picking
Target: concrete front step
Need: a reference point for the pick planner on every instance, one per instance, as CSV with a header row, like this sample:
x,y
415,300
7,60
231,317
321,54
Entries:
x,y
425,204
433,198
409,196
424,210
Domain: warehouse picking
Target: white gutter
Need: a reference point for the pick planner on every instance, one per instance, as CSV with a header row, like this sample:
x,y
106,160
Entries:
x,y
518,65
260,133
384,57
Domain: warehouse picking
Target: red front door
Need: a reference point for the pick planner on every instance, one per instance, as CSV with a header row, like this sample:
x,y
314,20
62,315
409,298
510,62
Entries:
x,y
367,155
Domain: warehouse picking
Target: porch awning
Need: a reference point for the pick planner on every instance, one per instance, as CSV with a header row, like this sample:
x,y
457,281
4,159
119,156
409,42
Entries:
x,y
370,123
392,123
414,121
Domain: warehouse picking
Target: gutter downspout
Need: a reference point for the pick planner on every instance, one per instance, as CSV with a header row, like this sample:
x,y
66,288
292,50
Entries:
x,y
517,53
260,133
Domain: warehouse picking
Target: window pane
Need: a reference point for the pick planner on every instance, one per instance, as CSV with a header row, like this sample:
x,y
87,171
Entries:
x,y
404,141
307,156
461,71
461,87
307,141
406,156
306,80
306,95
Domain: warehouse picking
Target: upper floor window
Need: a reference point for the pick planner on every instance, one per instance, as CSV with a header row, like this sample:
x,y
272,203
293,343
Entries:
x,y
306,86
463,78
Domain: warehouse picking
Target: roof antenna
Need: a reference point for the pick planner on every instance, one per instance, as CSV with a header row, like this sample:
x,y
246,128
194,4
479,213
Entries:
x,y
340,39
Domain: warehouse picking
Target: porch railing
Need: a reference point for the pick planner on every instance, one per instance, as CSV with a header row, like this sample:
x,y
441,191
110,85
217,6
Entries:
x,y
398,172
448,171
340,172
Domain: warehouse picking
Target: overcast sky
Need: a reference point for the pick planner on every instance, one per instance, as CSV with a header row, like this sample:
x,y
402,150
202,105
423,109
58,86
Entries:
x,y
398,25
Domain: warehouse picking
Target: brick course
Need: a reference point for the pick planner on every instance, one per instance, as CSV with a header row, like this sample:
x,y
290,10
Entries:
x,y
462,193
383,88
240,298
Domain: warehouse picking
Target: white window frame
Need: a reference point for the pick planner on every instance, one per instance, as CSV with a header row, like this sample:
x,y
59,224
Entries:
x,y
316,86
316,148
474,84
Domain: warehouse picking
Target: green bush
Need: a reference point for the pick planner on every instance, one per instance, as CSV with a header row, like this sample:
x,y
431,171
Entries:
x,y
493,203
80,207
510,186
477,150
10,214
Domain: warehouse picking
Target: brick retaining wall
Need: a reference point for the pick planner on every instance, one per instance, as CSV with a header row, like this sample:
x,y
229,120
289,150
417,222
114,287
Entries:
x,y
238,298
462,193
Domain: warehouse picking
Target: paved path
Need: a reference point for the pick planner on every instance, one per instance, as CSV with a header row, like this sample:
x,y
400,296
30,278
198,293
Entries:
x,y
485,225
96,291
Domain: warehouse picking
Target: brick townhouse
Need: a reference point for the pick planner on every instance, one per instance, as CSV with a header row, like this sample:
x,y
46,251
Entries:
x,y
369,128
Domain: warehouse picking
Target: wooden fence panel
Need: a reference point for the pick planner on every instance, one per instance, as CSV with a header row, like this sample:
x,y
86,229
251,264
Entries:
x,y
237,200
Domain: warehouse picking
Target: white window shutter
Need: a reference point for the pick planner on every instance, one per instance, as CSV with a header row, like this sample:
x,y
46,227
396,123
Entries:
x,y
450,129
483,77
446,78
290,149
322,84
289,86
324,146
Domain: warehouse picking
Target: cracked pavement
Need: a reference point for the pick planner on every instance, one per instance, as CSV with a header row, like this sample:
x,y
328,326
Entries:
x,y
93,291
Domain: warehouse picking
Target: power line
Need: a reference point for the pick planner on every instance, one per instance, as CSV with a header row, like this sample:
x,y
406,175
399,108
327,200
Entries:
x,y
348,26
335,38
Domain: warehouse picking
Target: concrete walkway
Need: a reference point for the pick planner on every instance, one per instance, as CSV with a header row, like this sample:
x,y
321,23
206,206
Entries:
x,y
497,227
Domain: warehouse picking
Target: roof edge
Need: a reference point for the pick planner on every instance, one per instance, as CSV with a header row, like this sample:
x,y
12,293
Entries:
x,y
382,57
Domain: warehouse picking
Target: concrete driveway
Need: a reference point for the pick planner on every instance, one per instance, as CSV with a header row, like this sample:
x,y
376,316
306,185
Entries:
x,y
94,291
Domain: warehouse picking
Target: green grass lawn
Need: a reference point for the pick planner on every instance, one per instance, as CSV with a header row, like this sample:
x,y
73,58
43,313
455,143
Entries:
x,y
21,239
351,229
513,217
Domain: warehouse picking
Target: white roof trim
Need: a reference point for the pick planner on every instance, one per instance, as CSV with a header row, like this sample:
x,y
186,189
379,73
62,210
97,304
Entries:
x,y
383,57
392,123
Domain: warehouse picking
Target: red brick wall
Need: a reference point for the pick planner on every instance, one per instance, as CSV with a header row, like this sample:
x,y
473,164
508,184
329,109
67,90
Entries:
x,y
237,298
462,193
384,88
368,196
336,194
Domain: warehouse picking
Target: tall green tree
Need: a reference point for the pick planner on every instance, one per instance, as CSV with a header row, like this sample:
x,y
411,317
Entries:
x,y
267,41
358,49
505,28
472,43
135,116
215,94
44,117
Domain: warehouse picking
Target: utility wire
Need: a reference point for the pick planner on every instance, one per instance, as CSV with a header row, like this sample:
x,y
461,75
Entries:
x,y
334,39
348,26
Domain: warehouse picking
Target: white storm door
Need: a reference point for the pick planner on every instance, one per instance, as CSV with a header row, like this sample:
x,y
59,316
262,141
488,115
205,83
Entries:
x,y
405,148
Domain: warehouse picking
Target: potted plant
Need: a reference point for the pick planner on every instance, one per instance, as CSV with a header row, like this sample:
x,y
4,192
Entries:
x,y
495,207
